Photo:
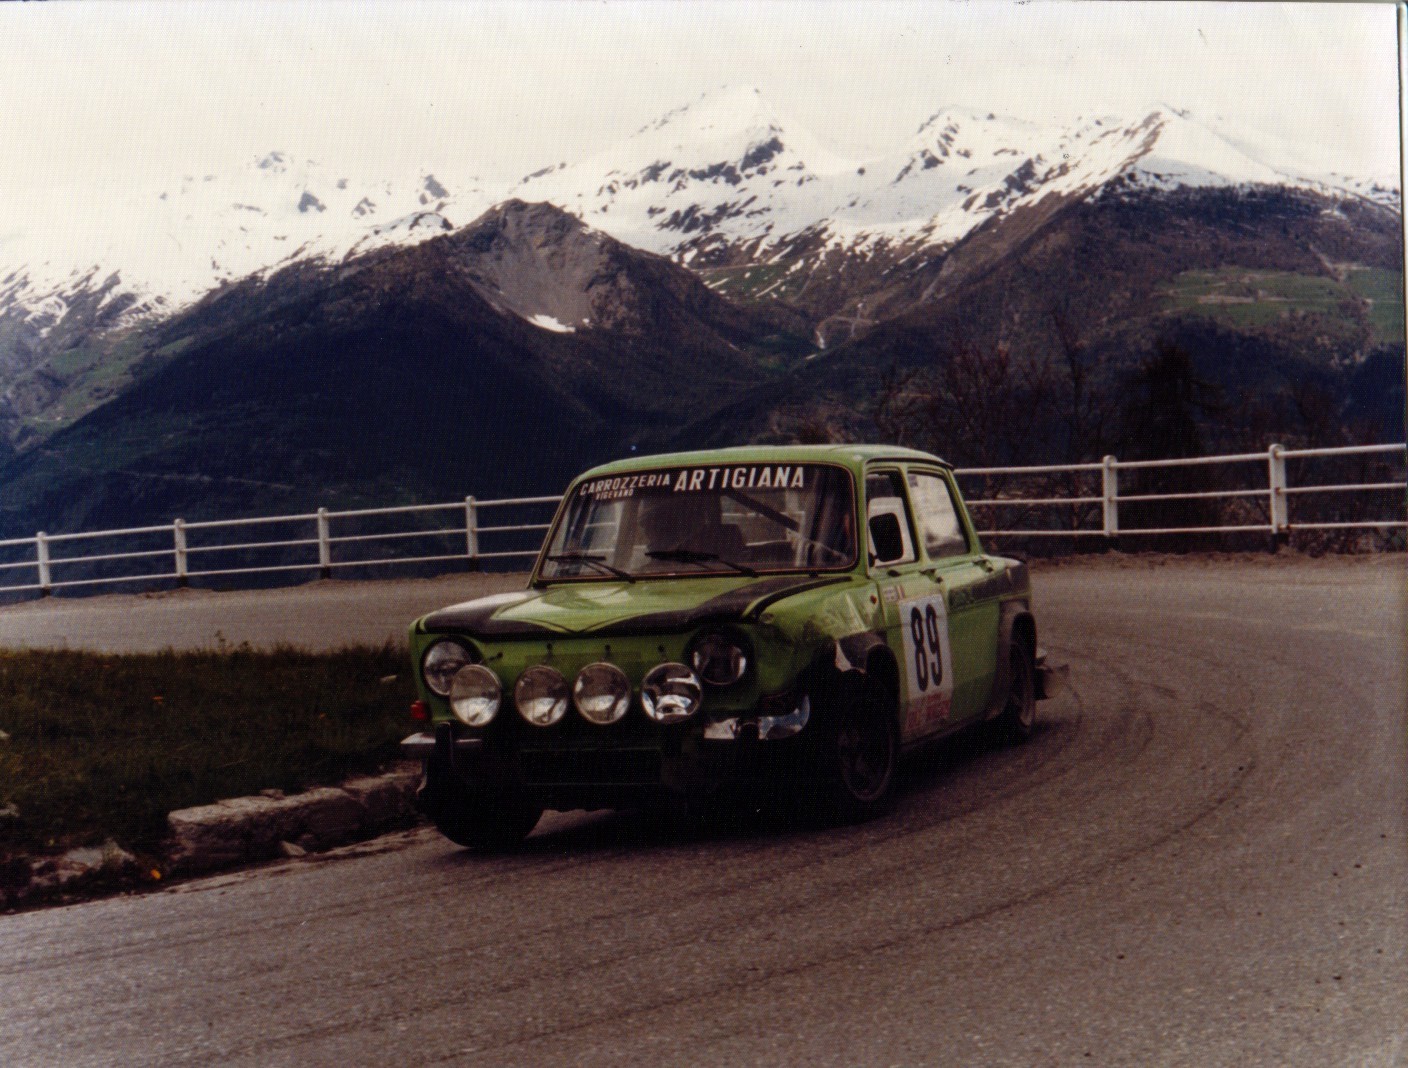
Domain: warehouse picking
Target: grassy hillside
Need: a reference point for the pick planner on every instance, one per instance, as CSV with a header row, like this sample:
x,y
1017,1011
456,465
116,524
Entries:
x,y
1244,298
1279,302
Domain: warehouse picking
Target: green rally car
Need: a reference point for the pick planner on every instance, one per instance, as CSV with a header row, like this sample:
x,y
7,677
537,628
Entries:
x,y
784,618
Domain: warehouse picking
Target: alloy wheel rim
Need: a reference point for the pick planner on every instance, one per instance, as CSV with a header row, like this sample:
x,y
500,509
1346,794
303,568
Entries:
x,y
865,759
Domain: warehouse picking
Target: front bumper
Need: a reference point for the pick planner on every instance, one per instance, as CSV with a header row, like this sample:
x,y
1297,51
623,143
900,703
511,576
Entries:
x,y
751,752
421,746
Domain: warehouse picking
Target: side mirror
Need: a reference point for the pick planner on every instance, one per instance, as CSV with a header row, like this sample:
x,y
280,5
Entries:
x,y
886,537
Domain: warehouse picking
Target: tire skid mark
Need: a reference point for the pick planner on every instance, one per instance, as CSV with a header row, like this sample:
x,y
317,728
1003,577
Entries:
x,y
1084,874
871,877
747,883
739,883
750,883
743,884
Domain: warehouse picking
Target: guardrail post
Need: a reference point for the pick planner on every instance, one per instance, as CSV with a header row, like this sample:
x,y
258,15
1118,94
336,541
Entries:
x,y
324,545
471,532
1279,503
1110,491
178,536
41,555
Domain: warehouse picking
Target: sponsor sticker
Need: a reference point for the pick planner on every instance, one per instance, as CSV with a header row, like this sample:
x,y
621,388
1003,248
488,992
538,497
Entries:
x,y
700,480
929,663
744,476
605,489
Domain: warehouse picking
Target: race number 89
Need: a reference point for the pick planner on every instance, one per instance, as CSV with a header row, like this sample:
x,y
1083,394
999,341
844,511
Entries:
x,y
928,661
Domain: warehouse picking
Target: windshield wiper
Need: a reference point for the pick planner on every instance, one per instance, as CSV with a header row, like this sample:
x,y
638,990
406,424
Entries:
x,y
593,560
694,556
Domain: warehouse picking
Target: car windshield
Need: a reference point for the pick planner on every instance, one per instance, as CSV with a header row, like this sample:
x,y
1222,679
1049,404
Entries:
x,y
747,518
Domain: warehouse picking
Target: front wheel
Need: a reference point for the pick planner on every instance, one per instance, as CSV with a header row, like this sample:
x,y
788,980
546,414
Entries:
x,y
488,826
485,824
862,754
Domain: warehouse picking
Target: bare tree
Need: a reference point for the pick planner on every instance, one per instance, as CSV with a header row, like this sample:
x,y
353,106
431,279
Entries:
x,y
1088,410
898,404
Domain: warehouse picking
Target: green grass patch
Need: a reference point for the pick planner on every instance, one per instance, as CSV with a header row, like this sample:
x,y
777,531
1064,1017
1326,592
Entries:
x,y
74,362
753,282
1248,299
1384,290
96,746
92,375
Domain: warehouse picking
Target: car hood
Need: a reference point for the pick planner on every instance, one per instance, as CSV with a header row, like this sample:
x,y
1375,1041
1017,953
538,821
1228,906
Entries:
x,y
620,607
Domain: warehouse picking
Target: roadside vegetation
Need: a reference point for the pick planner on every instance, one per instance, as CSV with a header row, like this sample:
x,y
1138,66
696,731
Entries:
x,y
95,746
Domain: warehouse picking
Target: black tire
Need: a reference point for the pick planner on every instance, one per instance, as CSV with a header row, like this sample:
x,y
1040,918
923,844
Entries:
x,y
1014,724
862,750
484,824
488,826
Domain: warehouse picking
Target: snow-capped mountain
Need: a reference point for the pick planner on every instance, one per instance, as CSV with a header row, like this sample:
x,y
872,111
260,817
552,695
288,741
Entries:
x,y
749,200
726,180
720,245
722,180
157,248
724,166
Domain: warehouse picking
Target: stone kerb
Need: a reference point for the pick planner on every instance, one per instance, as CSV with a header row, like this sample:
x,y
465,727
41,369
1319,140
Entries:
x,y
244,829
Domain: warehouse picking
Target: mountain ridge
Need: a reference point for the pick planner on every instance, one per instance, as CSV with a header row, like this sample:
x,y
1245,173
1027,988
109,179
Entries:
x,y
762,266
283,393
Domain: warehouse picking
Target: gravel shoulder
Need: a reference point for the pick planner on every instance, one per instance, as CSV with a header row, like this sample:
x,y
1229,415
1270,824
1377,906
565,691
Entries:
x,y
319,615
329,614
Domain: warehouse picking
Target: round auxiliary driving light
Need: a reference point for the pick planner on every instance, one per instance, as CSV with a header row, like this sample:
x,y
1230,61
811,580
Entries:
x,y
602,693
440,664
541,695
670,693
718,660
475,694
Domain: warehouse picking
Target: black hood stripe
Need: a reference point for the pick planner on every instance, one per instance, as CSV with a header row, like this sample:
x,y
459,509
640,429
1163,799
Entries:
x,y
479,619
728,607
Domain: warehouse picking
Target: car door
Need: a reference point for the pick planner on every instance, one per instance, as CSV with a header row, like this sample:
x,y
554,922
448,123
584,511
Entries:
x,y
914,606
951,558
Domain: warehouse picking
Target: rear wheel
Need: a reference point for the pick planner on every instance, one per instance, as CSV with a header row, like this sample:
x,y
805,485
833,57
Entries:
x,y
1018,717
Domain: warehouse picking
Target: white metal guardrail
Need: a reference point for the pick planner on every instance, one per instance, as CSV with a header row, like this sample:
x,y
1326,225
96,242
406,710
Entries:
x,y
1092,506
1096,506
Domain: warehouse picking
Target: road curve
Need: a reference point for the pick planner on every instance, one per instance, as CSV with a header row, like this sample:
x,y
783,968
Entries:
x,y
1199,859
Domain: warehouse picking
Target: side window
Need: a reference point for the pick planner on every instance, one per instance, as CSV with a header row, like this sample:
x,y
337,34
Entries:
x,y
939,526
887,519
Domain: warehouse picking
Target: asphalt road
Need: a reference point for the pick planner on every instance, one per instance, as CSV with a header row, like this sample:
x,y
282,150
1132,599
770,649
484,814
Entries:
x,y
1200,859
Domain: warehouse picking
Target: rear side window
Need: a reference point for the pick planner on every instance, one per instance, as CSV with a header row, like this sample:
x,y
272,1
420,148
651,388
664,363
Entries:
x,y
887,518
939,526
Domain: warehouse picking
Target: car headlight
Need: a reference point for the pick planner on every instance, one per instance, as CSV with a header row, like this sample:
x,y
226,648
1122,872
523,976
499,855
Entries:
x,y
718,659
670,693
475,695
442,661
541,695
602,693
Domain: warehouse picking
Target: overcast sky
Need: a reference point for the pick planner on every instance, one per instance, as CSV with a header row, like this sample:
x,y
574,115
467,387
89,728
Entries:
x,y
111,92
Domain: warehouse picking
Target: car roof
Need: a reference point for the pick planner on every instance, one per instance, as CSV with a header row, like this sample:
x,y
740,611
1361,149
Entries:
x,y
849,455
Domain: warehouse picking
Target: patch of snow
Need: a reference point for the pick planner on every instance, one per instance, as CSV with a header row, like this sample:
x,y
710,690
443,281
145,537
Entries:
x,y
547,322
